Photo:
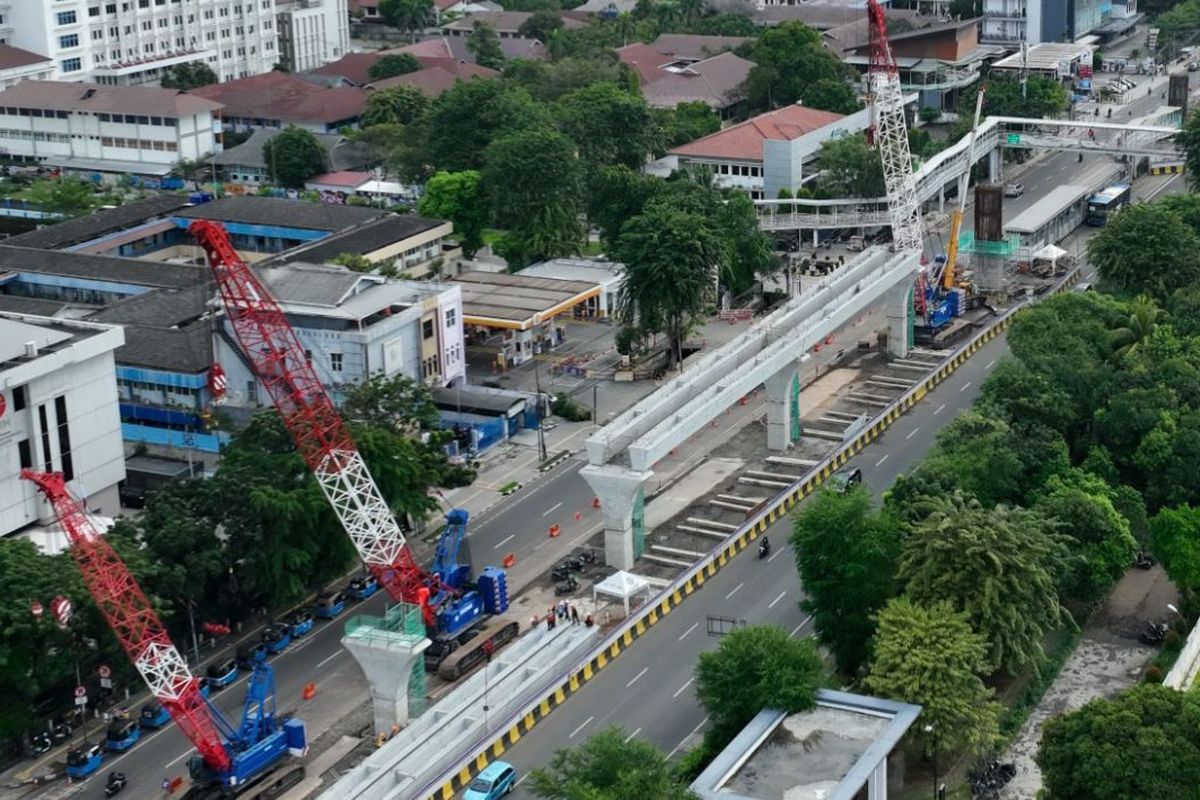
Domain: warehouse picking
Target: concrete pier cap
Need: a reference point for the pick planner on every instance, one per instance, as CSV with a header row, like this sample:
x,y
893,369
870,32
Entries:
x,y
386,658
617,488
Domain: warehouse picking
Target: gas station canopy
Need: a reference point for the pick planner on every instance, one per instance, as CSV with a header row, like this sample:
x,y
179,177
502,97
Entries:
x,y
518,302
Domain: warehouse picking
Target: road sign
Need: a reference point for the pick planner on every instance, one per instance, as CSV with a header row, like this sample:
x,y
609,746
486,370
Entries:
x,y
60,607
81,691
37,610
103,671
1012,138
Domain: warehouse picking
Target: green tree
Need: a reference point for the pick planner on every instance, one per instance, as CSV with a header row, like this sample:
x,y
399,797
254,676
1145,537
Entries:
x,y
1142,743
670,259
459,197
541,25
753,668
832,94
535,181
692,10
1175,536
1082,507
354,261
685,123
735,23
396,105
615,194
470,115
749,253
846,555
610,765
392,65
849,168
1146,249
191,75
484,44
609,125
1013,392
411,16
789,60
547,81
293,156
396,403
65,198
929,655
1189,140
966,9
1000,567
1144,318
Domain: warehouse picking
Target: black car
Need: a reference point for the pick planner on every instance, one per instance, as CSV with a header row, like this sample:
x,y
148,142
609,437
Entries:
x,y
250,653
223,672
845,479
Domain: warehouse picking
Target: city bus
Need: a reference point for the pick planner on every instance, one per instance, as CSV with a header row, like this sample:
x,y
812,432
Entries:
x,y
1104,204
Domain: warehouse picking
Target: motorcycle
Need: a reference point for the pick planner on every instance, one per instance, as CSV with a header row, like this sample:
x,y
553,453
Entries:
x,y
568,586
560,572
116,782
41,743
764,548
1144,560
1154,634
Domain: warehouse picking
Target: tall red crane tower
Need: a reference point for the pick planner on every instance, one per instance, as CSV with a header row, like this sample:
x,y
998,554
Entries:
x,y
134,622
315,425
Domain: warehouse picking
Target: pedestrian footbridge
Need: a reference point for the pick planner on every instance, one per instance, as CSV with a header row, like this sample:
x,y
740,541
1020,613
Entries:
x,y
1152,135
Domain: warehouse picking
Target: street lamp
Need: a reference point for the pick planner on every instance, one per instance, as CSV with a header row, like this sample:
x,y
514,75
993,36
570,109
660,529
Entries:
x,y
929,729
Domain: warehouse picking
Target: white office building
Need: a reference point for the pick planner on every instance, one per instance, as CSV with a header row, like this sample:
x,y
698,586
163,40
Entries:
x,y
133,41
312,33
58,413
138,130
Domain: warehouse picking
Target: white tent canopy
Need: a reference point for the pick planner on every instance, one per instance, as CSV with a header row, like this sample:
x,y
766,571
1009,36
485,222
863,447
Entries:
x,y
622,585
1049,253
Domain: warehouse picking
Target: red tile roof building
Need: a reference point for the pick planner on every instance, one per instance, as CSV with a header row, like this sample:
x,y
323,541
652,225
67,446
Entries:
x,y
278,99
744,141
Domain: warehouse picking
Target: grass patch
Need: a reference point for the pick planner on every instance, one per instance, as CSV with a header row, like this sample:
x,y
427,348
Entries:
x,y
1059,646
491,236
509,487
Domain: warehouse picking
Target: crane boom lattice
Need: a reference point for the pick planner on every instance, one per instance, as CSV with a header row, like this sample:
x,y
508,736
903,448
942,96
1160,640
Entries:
x,y
134,622
316,427
889,134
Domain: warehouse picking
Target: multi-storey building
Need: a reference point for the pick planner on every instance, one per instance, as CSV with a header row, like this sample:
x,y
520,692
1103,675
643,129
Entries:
x,y
137,130
17,65
312,32
1011,22
134,41
58,413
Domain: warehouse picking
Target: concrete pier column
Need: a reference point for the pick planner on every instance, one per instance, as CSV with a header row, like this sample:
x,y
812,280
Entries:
x,y
898,305
995,166
619,490
386,658
942,199
782,408
877,783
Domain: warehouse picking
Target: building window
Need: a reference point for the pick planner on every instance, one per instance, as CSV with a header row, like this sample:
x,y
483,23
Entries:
x,y
64,437
71,40
111,8
47,461
71,65
427,329
66,18
451,317
335,362
94,11
252,391
19,398
26,454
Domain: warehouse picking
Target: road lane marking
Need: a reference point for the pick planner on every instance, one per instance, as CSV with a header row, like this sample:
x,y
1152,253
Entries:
x,y
177,759
683,688
796,629
504,541
327,659
582,725
689,630
629,738
777,599
552,509
911,434
965,386
879,463
939,409
735,590
990,363
637,677
777,554
690,735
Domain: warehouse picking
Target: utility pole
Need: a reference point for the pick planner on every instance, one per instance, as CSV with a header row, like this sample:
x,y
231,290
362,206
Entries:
x,y
541,434
195,641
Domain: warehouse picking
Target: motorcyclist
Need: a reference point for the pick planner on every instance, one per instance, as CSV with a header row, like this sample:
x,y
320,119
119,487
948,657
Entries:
x,y
764,546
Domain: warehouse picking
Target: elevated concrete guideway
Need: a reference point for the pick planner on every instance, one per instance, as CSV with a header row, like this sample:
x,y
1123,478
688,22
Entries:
x,y
1148,135
622,454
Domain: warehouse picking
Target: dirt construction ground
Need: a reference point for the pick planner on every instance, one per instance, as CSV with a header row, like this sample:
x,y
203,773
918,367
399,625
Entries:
x,y
1109,658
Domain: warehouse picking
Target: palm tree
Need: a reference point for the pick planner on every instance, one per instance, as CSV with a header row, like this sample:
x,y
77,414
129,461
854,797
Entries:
x,y
691,9
666,13
1144,319
407,15
626,27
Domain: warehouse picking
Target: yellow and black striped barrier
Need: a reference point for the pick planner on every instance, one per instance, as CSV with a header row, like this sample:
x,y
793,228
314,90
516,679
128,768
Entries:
x,y
1166,169
648,616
